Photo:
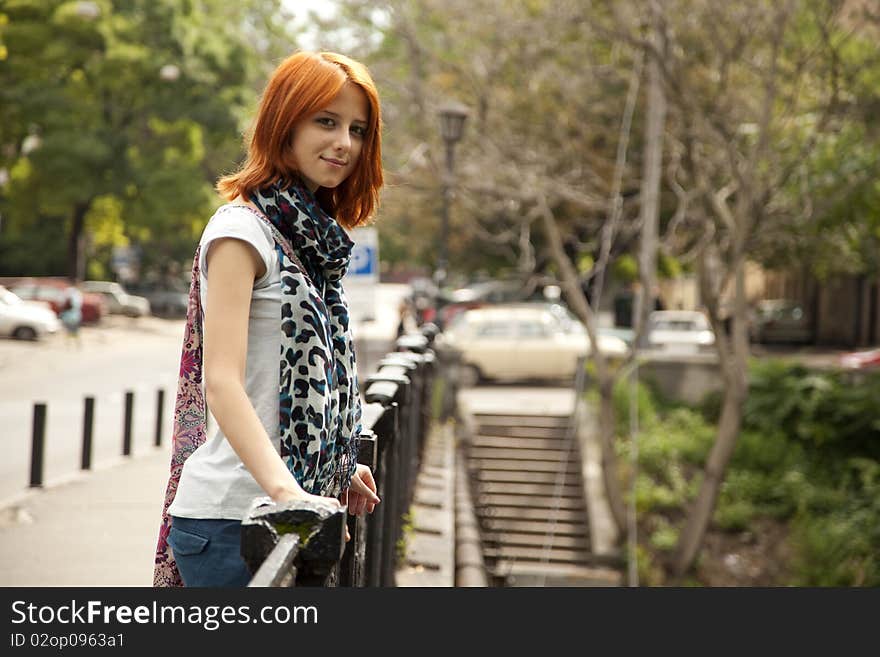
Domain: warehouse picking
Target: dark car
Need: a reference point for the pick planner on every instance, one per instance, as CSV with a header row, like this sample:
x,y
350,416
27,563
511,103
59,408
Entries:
x,y
165,301
780,320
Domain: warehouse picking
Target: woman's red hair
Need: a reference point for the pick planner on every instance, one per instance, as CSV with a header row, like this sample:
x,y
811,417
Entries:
x,y
303,84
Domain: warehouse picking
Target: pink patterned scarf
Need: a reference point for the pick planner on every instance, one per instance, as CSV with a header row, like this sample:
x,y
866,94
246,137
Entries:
x,y
190,424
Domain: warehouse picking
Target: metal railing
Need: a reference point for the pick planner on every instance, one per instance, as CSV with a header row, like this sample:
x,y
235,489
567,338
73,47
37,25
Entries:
x,y
303,544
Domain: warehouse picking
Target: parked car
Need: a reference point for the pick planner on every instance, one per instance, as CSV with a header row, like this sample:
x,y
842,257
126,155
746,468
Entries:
x,y
25,320
510,342
860,360
680,331
119,302
54,292
164,301
780,320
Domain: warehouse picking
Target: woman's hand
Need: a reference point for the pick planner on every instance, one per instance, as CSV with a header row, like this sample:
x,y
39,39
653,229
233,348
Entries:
x,y
361,493
292,494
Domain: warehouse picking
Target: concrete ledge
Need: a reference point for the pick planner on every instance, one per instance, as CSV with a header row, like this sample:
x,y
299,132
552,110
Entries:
x,y
603,531
430,548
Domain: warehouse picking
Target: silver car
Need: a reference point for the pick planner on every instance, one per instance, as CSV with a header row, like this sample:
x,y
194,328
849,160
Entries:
x,y
680,331
119,302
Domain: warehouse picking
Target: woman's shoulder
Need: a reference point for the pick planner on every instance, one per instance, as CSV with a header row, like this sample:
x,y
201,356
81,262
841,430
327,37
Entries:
x,y
236,220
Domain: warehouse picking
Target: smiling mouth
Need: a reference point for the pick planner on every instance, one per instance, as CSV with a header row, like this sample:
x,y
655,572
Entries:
x,y
338,163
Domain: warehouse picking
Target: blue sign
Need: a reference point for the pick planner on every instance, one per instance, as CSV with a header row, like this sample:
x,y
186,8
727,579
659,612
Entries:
x,y
364,260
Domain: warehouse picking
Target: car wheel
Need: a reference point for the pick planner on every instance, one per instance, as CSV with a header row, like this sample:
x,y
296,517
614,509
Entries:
x,y
468,376
24,333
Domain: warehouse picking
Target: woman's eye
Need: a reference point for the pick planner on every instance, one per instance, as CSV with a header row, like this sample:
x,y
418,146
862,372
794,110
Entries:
x,y
359,130
326,121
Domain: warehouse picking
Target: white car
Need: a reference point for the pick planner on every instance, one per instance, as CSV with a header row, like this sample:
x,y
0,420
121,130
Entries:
x,y
522,341
25,320
680,331
119,302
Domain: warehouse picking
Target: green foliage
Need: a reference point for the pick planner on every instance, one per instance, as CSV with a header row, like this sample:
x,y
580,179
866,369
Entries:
x,y
139,107
664,537
820,408
806,457
626,268
667,266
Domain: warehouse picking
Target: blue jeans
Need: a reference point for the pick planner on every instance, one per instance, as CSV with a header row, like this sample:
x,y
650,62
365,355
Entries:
x,y
208,552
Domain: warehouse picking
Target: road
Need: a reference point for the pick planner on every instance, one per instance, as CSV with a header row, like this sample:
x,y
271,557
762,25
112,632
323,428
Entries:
x,y
140,355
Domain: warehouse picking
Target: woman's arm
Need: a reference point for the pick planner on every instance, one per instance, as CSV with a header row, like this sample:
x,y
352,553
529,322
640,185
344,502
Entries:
x,y
234,266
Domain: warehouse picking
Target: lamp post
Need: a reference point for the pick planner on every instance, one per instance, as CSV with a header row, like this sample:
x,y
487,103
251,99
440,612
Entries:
x,y
452,118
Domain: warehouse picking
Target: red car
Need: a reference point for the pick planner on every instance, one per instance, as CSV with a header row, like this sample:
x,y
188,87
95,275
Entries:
x,y
861,360
51,290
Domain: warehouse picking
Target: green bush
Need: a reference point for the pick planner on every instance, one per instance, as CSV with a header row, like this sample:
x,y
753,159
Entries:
x,y
808,454
735,516
664,538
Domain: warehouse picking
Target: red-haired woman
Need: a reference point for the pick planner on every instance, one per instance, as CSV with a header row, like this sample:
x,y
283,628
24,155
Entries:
x,y
268,324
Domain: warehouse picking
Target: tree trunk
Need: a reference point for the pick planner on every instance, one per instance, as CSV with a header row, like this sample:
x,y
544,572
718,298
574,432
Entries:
x,y
650,197
692,535
76,243
579,305
734,361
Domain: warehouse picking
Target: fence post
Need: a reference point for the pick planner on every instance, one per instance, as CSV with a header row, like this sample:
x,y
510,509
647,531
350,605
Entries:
x,y
88,424
352,568
126,439
37,445
160,408
307,561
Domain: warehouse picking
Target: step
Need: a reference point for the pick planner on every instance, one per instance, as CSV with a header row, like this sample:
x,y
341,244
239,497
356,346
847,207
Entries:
x,y
526,477
506,442
511,465
546,455
548,489
530,501
522,420
538,554
528,513
560,527
510,539
534,574
520,431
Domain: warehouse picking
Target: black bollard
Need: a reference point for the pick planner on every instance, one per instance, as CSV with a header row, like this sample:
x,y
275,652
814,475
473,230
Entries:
x,y
88,423
39,434
160,408
126,439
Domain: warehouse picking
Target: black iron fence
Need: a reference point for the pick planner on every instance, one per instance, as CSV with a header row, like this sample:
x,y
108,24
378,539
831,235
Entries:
x,y
303,544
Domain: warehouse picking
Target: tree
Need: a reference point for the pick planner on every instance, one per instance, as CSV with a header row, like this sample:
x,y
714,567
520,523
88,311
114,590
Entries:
x,y
118,116
754,88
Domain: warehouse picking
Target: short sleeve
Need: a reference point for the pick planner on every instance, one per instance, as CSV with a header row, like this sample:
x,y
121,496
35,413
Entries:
x,y
238,223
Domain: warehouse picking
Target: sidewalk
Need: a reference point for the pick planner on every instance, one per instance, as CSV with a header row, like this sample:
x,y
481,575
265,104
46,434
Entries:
x,y
97,529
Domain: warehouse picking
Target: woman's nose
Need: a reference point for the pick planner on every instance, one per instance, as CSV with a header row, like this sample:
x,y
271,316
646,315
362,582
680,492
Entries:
x,y
343,140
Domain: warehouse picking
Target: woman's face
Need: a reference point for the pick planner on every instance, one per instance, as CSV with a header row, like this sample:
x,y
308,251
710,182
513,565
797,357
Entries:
x,y
327,144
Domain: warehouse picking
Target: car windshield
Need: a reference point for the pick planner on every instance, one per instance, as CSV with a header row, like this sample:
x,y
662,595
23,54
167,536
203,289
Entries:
x,y
678,325
9,298
533,329
494,330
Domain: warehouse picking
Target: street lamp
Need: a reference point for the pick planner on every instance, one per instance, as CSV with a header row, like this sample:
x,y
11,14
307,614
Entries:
x,y
452,118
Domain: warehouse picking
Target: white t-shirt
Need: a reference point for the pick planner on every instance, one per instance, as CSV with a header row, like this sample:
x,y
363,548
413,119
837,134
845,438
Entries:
x,y
214,482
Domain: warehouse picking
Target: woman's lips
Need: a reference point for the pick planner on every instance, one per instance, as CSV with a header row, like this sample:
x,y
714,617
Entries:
x,y
334,162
